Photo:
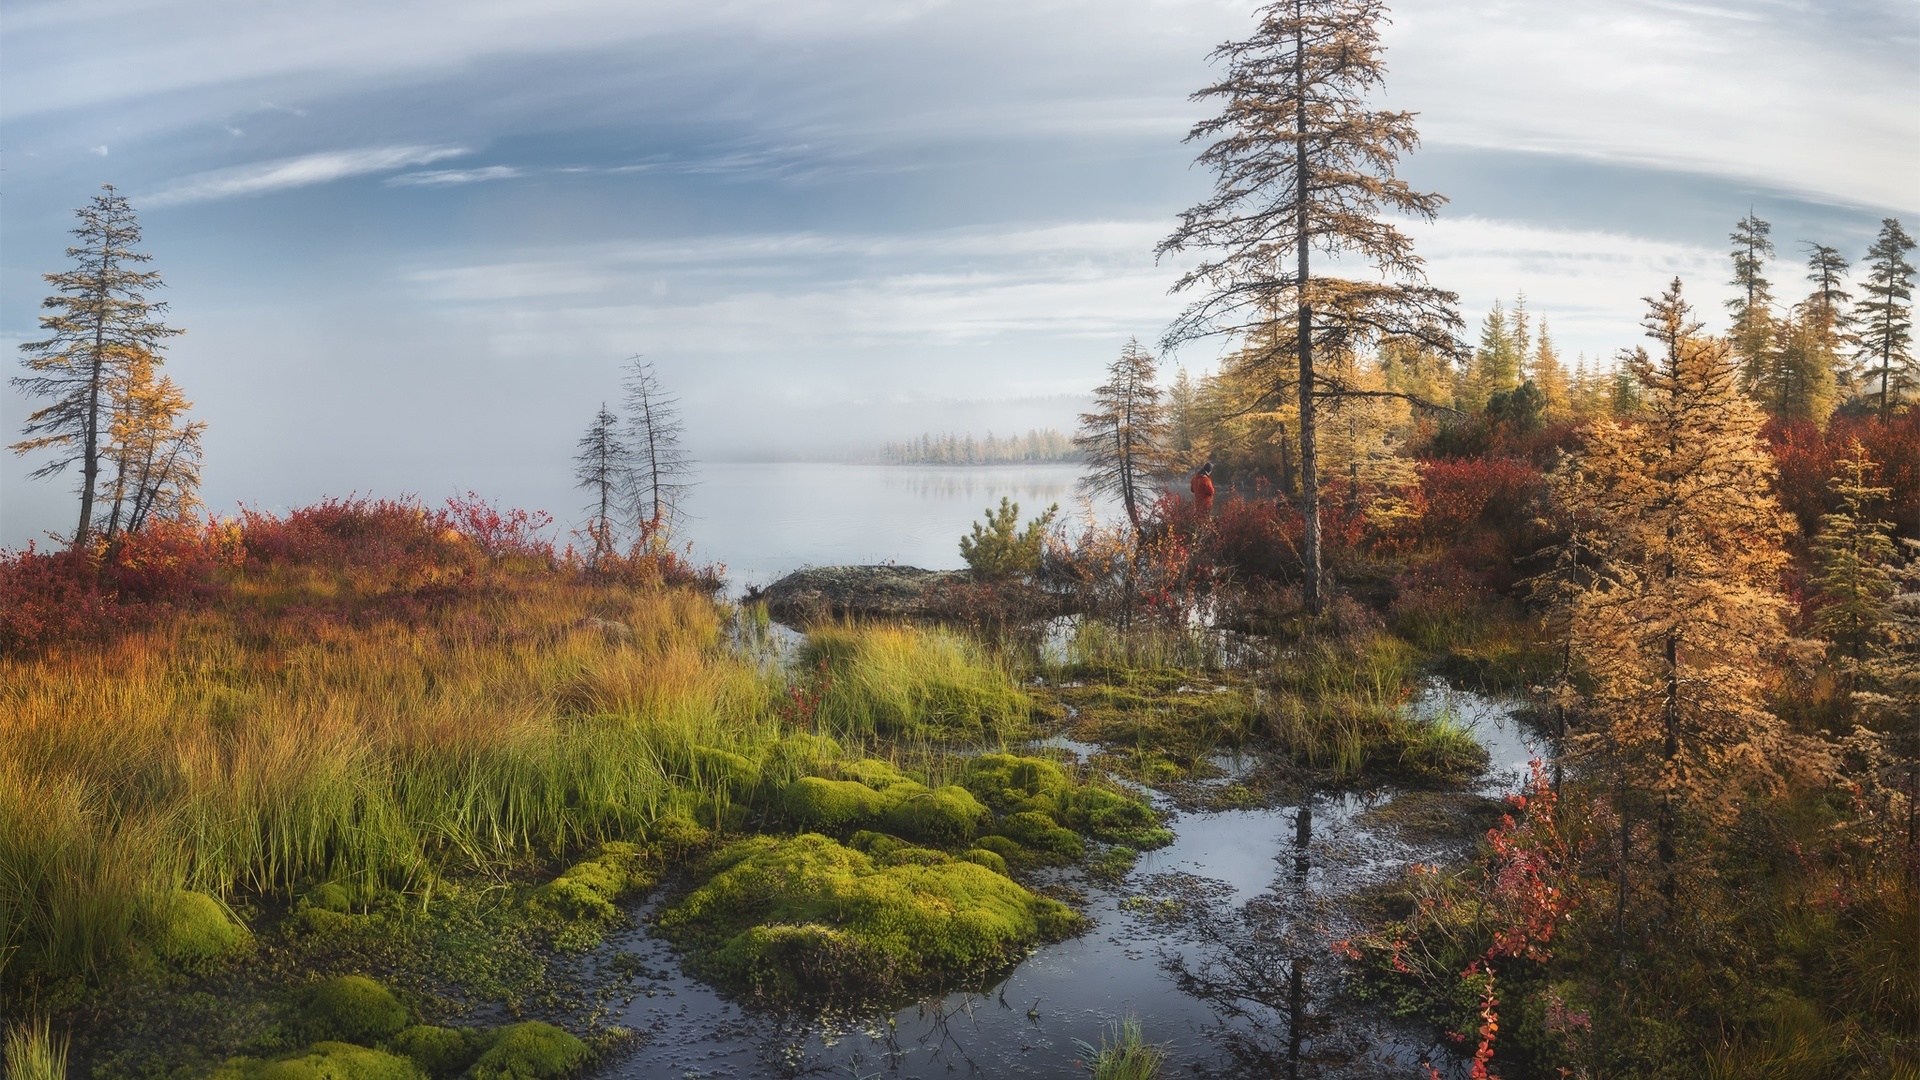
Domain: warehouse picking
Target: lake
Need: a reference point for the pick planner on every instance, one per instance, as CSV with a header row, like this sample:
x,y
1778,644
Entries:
x,y
764,519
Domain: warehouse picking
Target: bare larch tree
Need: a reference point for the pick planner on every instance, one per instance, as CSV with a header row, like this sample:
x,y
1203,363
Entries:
x,y
99,322
660,466
1124,438
1301,164
604,469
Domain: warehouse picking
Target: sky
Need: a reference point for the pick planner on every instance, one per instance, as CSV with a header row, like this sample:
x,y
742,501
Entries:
x,y
411,242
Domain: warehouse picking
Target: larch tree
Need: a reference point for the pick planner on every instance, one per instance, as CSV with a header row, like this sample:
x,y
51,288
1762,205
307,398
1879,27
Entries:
x,y
661,467
1794,378
1549,373
99,321
1825,308
1853,553
1681,611
1124,437
1302,164
1885,316
603,467
1752,304
155,450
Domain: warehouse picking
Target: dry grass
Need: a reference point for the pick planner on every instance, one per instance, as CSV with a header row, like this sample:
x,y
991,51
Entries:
x,y
302,731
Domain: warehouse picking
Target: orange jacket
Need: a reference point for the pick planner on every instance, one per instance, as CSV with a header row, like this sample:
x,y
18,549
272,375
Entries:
x,y
1202,488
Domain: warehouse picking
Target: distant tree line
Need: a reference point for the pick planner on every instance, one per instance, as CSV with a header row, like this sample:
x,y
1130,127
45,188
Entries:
x,y
1038,445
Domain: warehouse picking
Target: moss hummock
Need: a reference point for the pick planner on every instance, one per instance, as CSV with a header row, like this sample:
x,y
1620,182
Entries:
x,y
1046,813
806,917
441,1052
533,1050
322,1061
589,888
349,1008
882,798
197,932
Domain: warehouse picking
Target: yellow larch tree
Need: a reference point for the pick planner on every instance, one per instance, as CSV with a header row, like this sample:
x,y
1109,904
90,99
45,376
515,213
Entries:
x,y
1679,613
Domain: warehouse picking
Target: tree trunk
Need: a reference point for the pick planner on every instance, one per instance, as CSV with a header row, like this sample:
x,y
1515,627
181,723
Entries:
x,y
1672,749
90,470
1309,456
1620,890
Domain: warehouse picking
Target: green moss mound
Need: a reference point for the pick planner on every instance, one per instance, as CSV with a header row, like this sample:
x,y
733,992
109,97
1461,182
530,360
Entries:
x,y
589,888
804,916
948,815
350,1008
322,1061
723,768
983,857
533,1050
1045,812
441,1052
1040,835
197,933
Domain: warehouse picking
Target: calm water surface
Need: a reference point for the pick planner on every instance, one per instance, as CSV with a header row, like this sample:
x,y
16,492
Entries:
x,y
765,519
1251,894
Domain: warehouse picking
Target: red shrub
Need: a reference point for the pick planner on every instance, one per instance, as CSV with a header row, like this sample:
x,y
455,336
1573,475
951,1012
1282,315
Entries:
x,y
501,533
394,533
1459,496
52,596
1805,457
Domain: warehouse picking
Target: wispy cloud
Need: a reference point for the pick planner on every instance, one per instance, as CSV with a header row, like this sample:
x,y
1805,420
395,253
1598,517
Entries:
x,y
304,171
435,177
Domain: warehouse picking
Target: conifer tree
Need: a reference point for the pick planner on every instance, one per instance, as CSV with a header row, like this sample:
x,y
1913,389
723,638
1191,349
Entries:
x,y
1825,309
660,466
1792,378
1683,608
1885,316
603,468
1301,164
1549,374
100,320
154,449
1496,365
1853,553
1124,438
1752,306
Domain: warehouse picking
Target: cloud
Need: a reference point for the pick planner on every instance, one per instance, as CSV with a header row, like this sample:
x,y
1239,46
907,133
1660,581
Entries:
x,y
434,177
97,151
304,171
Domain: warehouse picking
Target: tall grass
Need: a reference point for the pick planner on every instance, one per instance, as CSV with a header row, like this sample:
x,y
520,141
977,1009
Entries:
x,y
288,736
905,681
1126,1054
33,1053
1339,705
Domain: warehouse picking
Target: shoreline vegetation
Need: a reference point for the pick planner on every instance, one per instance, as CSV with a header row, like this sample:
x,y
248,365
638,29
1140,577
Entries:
x,y
360,791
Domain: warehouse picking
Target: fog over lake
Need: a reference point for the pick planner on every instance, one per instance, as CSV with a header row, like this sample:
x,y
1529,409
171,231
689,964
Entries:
x,y
764,519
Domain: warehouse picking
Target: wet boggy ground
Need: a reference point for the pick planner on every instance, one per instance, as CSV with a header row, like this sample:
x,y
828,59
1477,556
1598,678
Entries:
x,y
1220,944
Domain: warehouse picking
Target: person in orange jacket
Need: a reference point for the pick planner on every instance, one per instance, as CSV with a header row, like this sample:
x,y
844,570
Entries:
x,y
1202,488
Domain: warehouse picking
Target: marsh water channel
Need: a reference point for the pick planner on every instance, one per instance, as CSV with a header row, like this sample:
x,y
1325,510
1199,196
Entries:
x,y
1201,942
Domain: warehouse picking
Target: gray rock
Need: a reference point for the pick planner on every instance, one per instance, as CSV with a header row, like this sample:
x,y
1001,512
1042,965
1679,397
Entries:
x,y
824,592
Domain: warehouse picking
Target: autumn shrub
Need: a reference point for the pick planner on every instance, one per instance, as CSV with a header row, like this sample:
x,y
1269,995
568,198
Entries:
x,y
1807,457
48,597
